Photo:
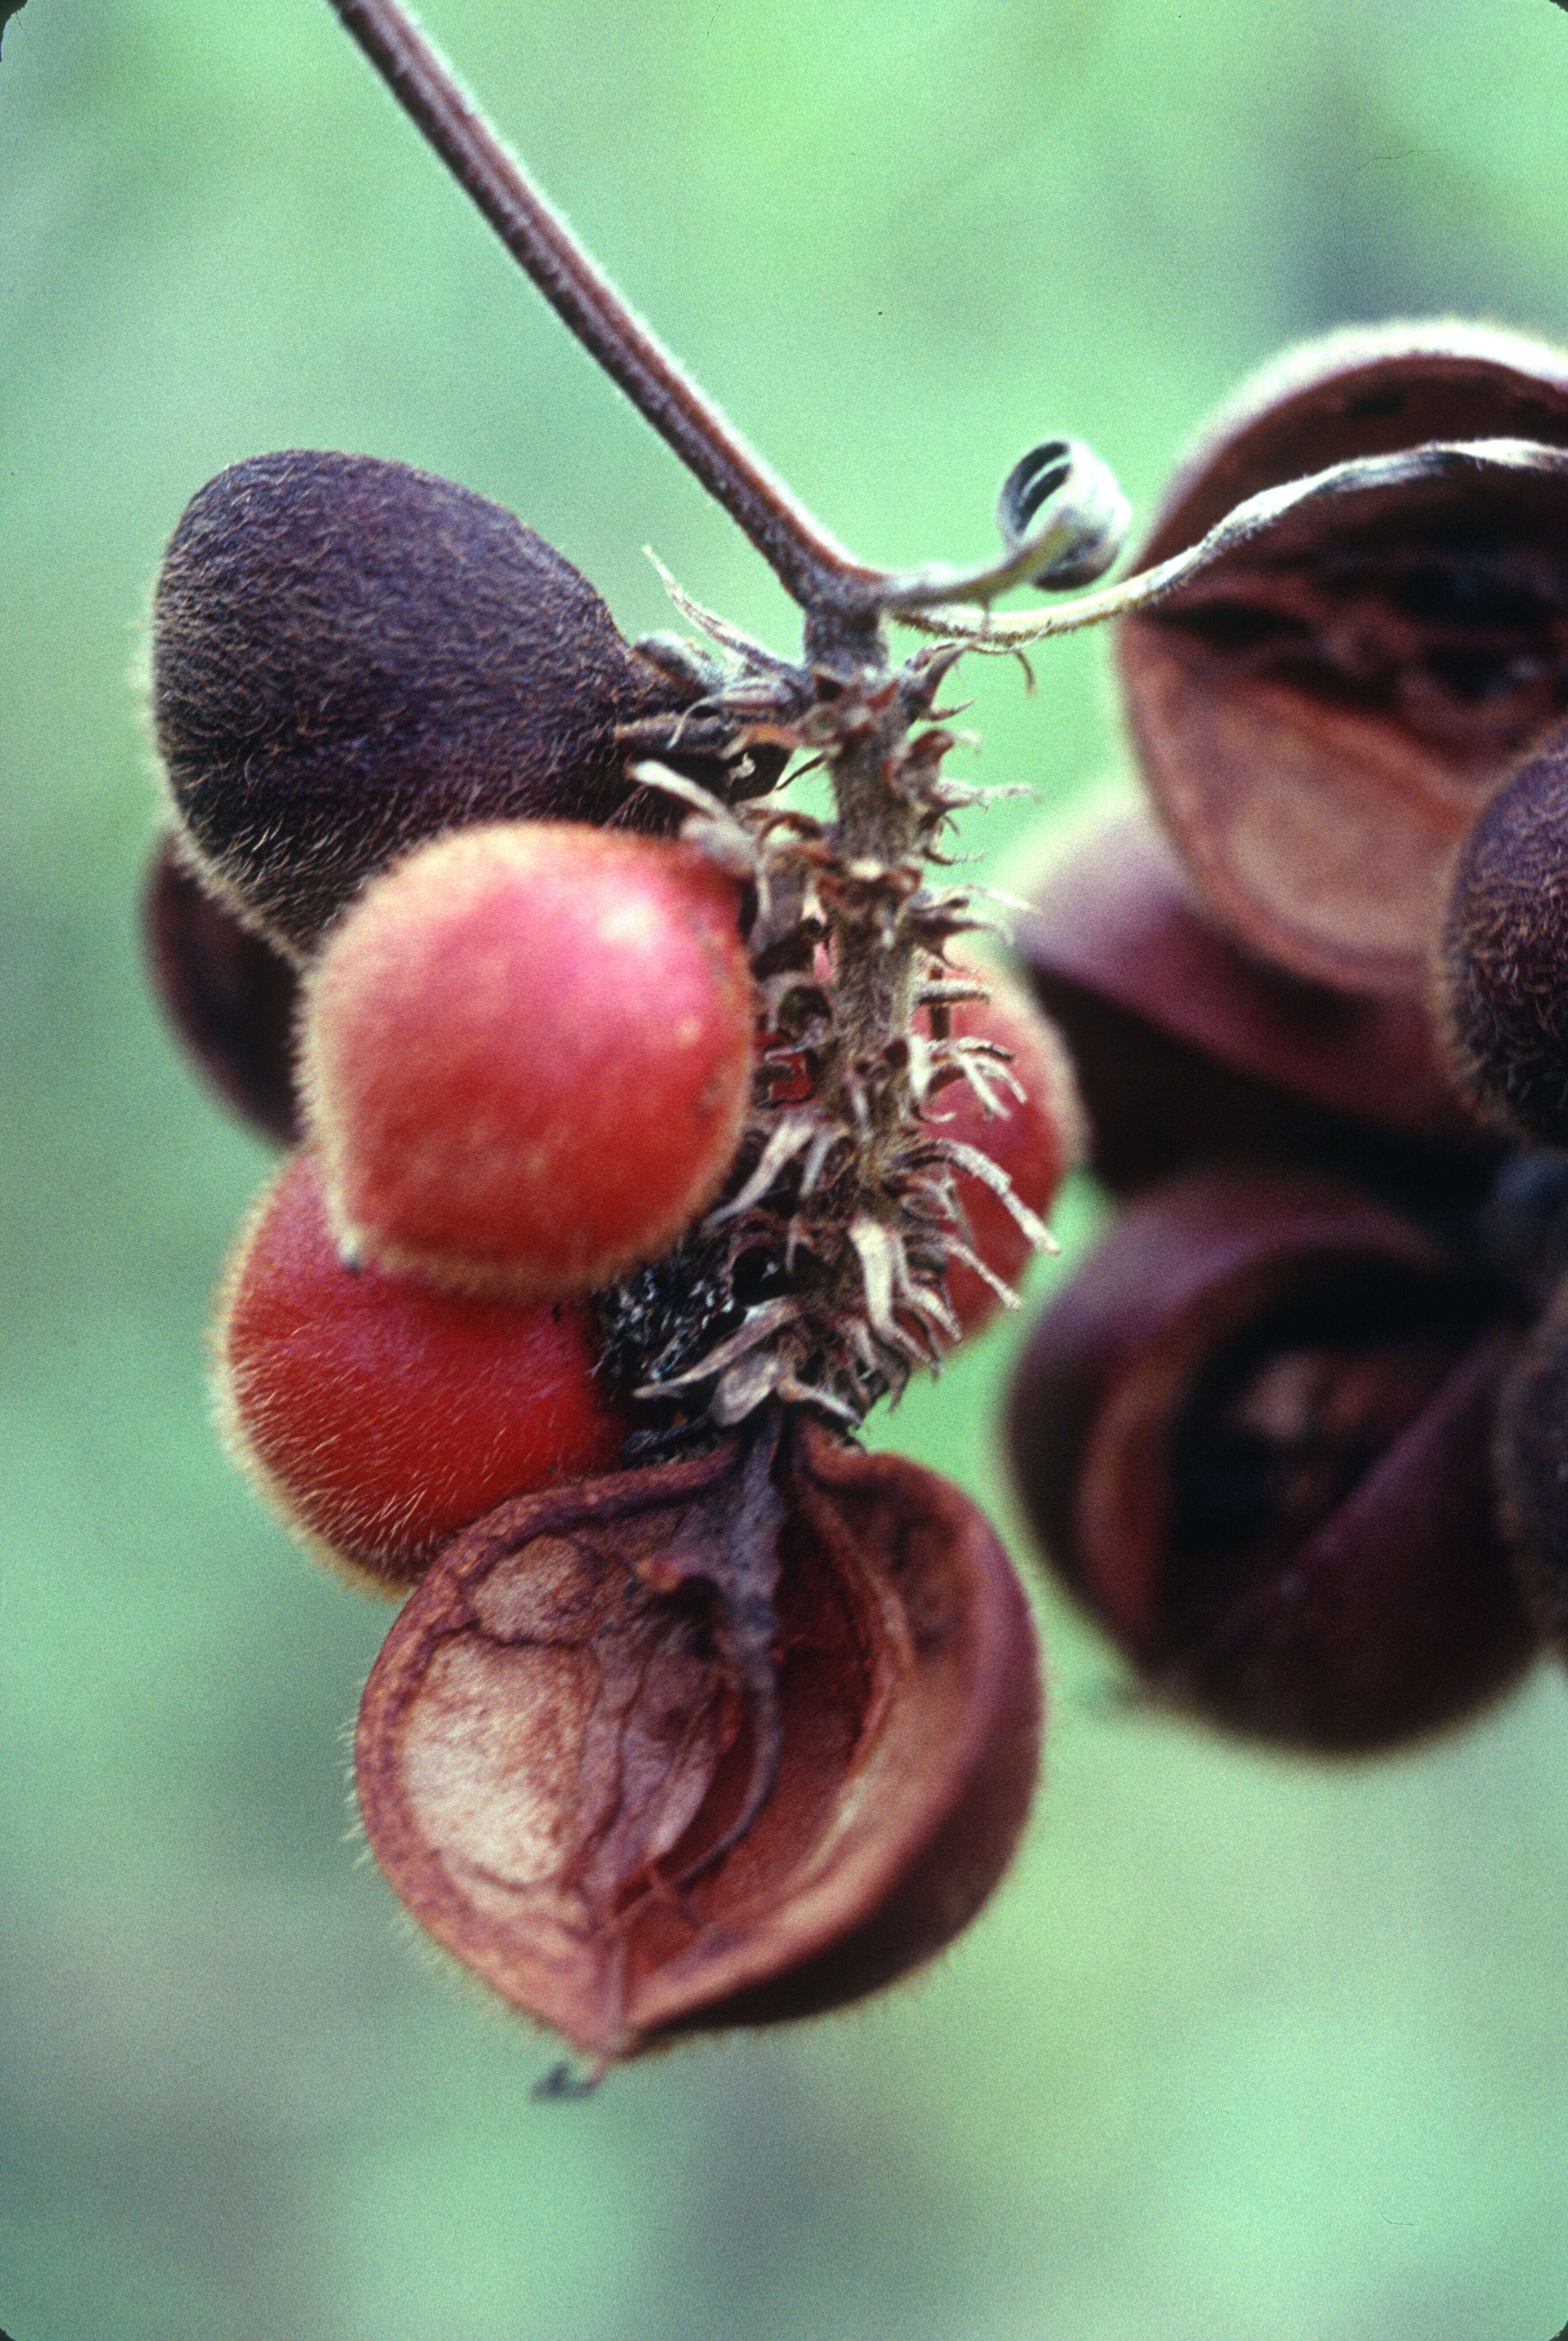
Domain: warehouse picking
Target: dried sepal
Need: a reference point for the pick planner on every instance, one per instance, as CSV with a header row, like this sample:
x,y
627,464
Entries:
x,y
1253,1436
1502,970
1190,1050
1322,711
559,1741
228,994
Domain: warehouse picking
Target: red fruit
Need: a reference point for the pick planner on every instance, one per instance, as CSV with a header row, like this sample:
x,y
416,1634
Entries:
x,y
381,1417
1036,1142
529,1054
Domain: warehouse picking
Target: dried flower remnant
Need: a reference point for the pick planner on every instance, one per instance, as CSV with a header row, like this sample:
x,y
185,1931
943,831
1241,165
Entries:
x,y
562,1736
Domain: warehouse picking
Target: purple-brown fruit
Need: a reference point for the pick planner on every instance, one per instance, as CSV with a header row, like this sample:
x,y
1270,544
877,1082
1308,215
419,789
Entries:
x,y
558,1753
1502,973
1253,1435
1189,1050
349,655
1321,712
228,994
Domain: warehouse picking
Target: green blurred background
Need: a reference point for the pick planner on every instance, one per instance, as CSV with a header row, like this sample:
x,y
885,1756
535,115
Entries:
x,y
1243,2048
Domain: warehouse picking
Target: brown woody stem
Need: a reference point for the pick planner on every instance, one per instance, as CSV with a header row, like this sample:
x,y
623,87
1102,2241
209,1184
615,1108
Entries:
x,y
814,569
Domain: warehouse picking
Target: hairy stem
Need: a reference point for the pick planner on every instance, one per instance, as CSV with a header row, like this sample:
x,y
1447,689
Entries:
x,y
877,827
818,1280
812,567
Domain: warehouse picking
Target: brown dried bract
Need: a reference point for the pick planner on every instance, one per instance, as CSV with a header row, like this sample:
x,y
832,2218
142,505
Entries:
x,y
1323,711
719,1741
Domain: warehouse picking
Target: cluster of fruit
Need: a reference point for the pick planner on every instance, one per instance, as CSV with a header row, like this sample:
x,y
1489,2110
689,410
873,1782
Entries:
x,y
1298,1431
649,1131
564,1091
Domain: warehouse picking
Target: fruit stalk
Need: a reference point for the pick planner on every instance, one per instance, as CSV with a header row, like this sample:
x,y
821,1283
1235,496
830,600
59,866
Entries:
x,y
810,564
817,1278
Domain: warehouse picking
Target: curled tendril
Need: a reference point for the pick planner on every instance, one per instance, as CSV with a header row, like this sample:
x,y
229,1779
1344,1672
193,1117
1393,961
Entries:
x,y
1063,520
1064,502
1252,519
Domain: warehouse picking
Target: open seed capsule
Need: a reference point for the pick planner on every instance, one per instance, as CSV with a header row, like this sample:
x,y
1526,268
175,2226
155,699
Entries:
x,y
1190,1050
559,1755
1253,1436
1323,711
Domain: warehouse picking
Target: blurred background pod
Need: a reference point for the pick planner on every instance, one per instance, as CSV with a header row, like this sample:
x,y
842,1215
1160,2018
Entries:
x,y
1500,975
349,655
1532,1461
1188,1050
228,994
1252,1435
1323,711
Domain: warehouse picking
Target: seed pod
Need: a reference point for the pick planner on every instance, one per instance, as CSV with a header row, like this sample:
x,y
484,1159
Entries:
x,y
1321,712
1189,1050
349,655
557,1753
1253,1436
1502,974
1531,1464
228,994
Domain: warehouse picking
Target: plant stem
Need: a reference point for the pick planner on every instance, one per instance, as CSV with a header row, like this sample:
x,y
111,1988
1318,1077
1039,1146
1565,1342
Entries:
x,y
843,1321
814,569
